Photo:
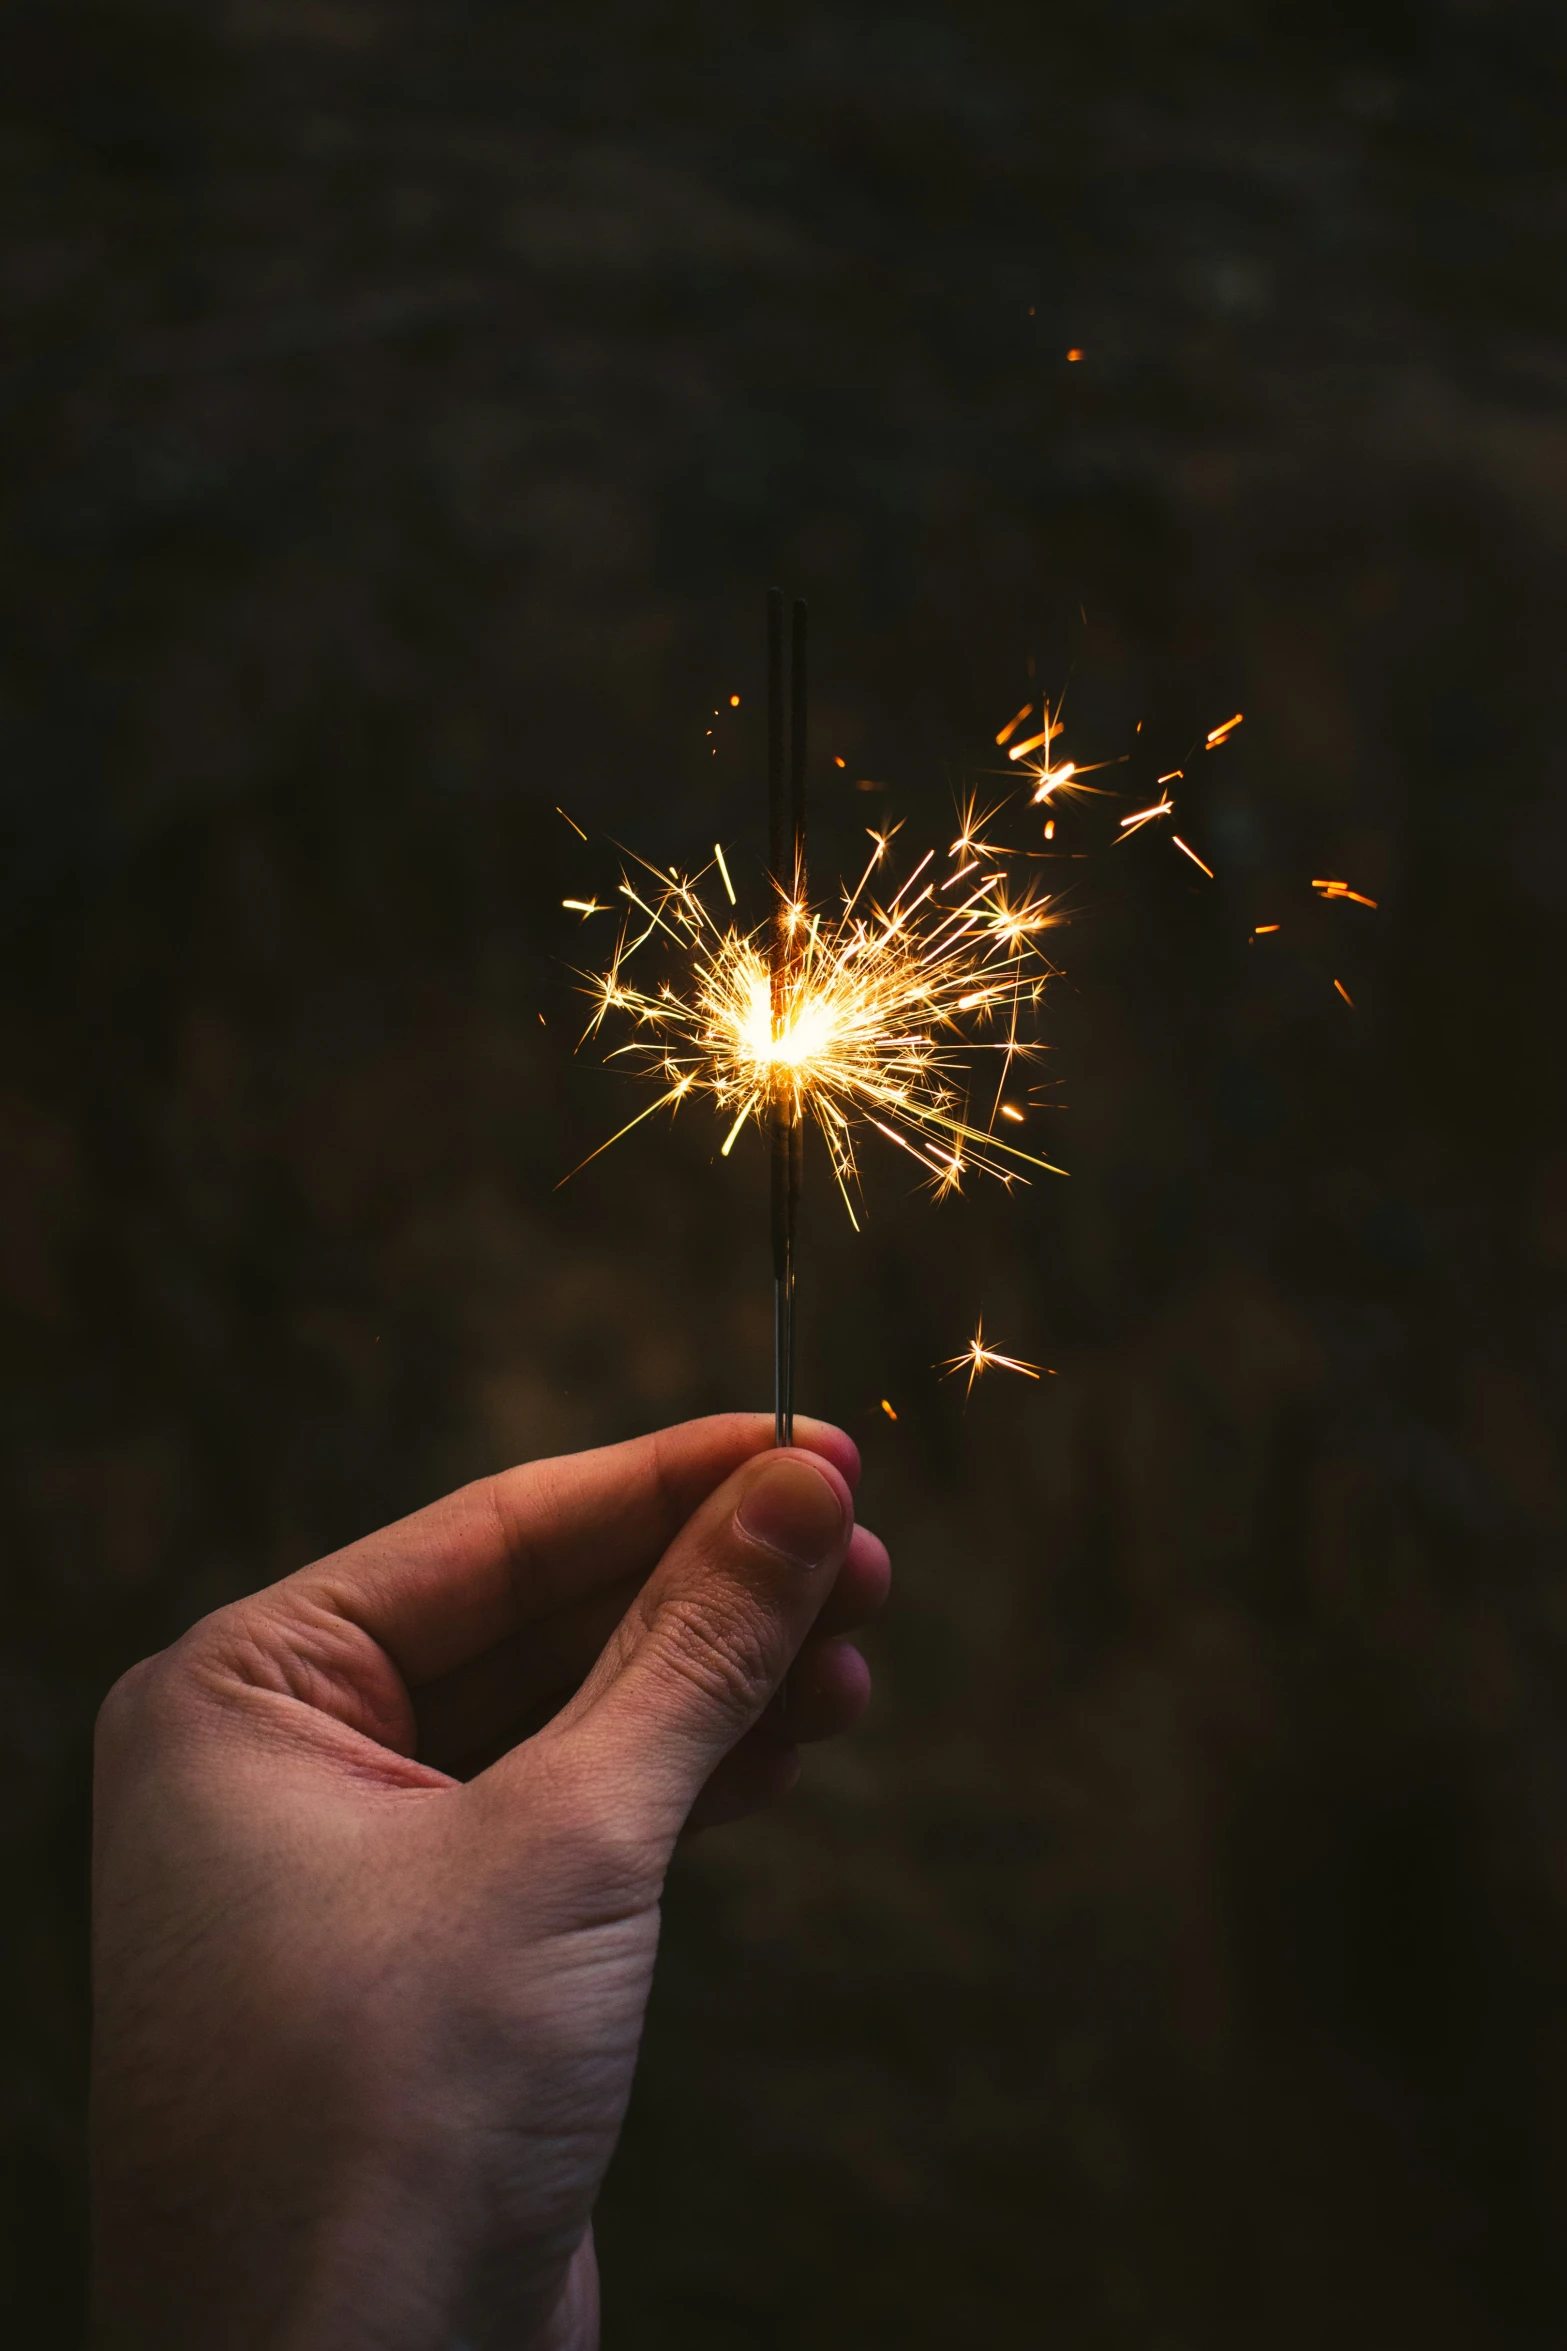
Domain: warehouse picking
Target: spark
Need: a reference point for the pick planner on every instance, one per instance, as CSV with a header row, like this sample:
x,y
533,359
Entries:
x,y
972,820
1132,824
887,1409
1344,992
1343,890
571,820
1012,924
1047,780
1221,734
888,1002
584,906
1192,854
1263,929
1012,725
1074,355
977,1356
724,870
734,701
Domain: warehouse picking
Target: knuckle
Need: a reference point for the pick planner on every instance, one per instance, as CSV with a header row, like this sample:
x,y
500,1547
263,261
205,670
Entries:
x,y
724,1653
313,1652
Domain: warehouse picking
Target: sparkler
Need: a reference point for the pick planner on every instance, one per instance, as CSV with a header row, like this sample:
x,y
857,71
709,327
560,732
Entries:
x,y
870,1015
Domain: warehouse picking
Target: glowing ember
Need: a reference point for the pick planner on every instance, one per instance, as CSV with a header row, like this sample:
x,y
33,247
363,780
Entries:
x,y
977,1357
1049,781
1134,823
1192,854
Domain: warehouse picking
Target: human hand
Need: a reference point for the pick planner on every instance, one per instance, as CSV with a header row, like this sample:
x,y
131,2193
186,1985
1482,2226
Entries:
x,y
377,1863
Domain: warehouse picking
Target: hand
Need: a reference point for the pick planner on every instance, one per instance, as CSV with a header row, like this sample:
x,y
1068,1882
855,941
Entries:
x,y
377,1867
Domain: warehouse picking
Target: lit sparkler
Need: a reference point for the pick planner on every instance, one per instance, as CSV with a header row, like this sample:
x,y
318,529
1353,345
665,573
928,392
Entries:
x,y
867,1015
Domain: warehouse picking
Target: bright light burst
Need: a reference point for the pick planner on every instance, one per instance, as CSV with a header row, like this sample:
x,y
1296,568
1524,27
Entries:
x,y
977,1357
884,1008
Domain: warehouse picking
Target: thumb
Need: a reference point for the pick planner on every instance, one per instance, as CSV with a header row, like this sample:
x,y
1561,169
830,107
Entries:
x,y
711,1635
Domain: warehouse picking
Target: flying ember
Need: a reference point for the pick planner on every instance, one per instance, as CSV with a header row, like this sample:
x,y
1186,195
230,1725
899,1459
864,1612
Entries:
x,y
979,1356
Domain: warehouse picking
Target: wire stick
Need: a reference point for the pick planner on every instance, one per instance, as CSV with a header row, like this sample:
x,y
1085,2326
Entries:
x,y
780,845
799,701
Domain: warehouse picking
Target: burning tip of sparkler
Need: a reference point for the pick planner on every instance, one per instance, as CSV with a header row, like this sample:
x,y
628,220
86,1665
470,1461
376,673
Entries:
x,y
868,1024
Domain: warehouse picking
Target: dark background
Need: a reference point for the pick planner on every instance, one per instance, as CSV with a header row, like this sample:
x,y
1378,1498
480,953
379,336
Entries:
x,y
404,407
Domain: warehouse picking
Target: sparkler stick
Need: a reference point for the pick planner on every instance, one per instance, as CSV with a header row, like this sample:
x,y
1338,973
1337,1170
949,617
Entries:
x,y
786,1125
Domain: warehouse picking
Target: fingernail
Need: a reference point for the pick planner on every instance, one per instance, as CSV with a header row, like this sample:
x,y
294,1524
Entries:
x,y
793,1510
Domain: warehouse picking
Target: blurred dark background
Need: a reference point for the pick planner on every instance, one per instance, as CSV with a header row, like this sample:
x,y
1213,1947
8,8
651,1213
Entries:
x,y
405,405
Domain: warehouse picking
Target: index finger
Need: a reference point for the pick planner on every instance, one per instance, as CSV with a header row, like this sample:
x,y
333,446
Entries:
x,y
442,1586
